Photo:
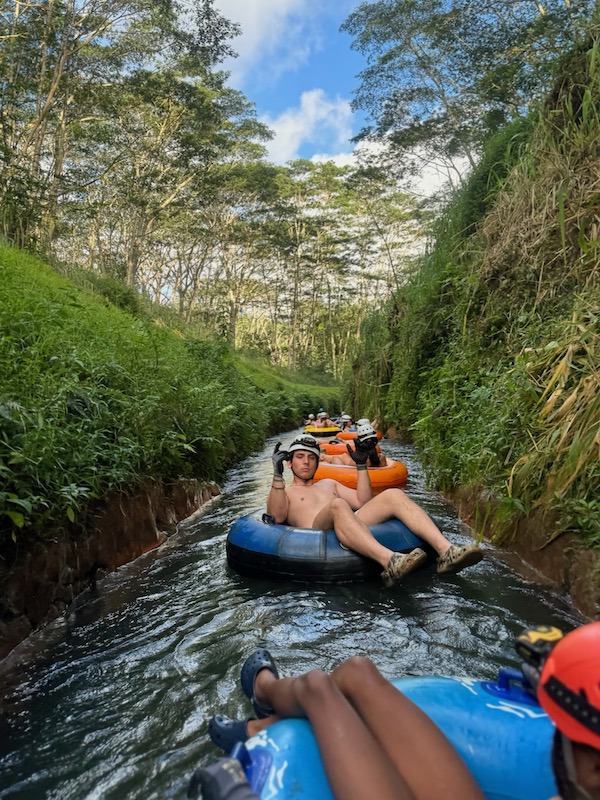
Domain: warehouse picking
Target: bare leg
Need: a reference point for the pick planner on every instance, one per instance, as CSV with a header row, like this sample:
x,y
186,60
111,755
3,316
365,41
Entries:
x,y
374,728
338,459
352,530
354,762
413,742
394,503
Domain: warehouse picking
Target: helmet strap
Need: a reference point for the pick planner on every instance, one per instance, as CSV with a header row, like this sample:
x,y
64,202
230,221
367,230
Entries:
x,y
573,703
569,759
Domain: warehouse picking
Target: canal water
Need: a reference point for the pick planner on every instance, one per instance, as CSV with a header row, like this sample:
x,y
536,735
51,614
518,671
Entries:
x,y
113,700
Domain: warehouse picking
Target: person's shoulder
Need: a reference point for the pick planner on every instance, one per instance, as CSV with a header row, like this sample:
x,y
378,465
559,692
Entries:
x,y
325,483
340,486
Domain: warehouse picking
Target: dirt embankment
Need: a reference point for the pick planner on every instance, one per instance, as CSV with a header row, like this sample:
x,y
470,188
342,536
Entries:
x,y
43,582
562,558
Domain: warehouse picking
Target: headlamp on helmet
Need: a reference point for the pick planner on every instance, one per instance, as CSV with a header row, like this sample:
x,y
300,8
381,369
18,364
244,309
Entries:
x,y
366,432
305,442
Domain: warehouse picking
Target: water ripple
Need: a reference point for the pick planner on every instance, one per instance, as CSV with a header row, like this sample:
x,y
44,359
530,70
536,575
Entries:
x,y
112,701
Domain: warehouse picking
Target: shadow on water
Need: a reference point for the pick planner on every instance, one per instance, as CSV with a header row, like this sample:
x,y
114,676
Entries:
x,y
112,701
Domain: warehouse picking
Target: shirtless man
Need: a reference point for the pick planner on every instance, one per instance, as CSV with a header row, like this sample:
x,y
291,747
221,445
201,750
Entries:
x,y
323,421
327,504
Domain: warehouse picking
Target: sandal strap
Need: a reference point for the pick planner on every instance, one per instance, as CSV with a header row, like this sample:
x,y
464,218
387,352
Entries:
x,y
257,661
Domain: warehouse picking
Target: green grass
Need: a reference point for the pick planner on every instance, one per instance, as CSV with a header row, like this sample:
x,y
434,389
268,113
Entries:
x,y
95,398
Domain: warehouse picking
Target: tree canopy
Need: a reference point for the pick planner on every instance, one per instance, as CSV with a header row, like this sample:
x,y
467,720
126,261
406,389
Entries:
x,y
443,75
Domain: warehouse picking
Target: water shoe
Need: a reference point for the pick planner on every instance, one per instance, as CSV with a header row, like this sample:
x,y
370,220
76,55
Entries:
x,y
260,659
456,558
400,564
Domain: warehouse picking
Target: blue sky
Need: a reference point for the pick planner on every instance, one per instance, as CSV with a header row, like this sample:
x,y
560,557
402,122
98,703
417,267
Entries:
x,y
300,71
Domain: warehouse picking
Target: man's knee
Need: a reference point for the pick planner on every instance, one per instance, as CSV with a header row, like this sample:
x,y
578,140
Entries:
x,y
393,496
339,506
395,492
358,678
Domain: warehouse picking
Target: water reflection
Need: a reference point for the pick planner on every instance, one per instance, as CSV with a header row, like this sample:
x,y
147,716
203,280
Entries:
x,y
112,701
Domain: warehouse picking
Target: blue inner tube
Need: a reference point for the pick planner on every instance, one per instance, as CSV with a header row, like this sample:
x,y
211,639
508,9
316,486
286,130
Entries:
x,y
257,549
501,733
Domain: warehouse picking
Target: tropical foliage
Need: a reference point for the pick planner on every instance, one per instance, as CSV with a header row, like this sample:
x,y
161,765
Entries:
x,y
127,160
124,151
492,345
443,75
95,399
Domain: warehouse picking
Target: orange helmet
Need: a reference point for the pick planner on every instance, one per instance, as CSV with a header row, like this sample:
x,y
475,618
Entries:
x,y
569,687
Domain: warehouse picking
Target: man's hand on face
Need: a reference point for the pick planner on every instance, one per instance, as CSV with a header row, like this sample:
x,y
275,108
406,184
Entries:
x,y
279,456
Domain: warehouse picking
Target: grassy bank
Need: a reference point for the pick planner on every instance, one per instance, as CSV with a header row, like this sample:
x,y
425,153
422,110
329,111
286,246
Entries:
x,y
490,354
97,394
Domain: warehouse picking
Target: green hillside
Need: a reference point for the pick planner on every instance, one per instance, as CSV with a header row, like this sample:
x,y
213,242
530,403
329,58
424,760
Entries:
x,y
489,355
95,398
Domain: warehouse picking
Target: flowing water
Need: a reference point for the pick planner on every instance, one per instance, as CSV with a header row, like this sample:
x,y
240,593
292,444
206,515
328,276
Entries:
x,y
113,700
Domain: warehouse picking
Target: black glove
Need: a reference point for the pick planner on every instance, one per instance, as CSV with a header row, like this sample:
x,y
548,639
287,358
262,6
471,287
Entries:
x,y
359,455
279,456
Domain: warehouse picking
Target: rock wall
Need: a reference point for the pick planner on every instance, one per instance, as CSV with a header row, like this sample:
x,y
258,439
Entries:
x,y
48,577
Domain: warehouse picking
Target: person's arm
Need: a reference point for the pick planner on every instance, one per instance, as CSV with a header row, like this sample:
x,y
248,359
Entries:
x,y
363,485
349,495
359,455
277,501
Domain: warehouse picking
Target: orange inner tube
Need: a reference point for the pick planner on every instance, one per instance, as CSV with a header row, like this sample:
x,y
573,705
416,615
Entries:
x,y
352,435
388,477
335,448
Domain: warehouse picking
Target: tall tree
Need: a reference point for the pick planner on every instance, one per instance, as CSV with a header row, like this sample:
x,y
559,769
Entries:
x,y
442,74
62,64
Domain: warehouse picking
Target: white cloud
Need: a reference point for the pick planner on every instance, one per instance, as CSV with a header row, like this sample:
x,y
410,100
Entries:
x,y
318,120
277,36
339,159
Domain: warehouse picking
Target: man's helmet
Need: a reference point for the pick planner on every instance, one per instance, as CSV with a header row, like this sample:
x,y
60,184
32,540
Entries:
x,y
346,418
366,432
363,421
322,415
311,416
305,442
569,687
